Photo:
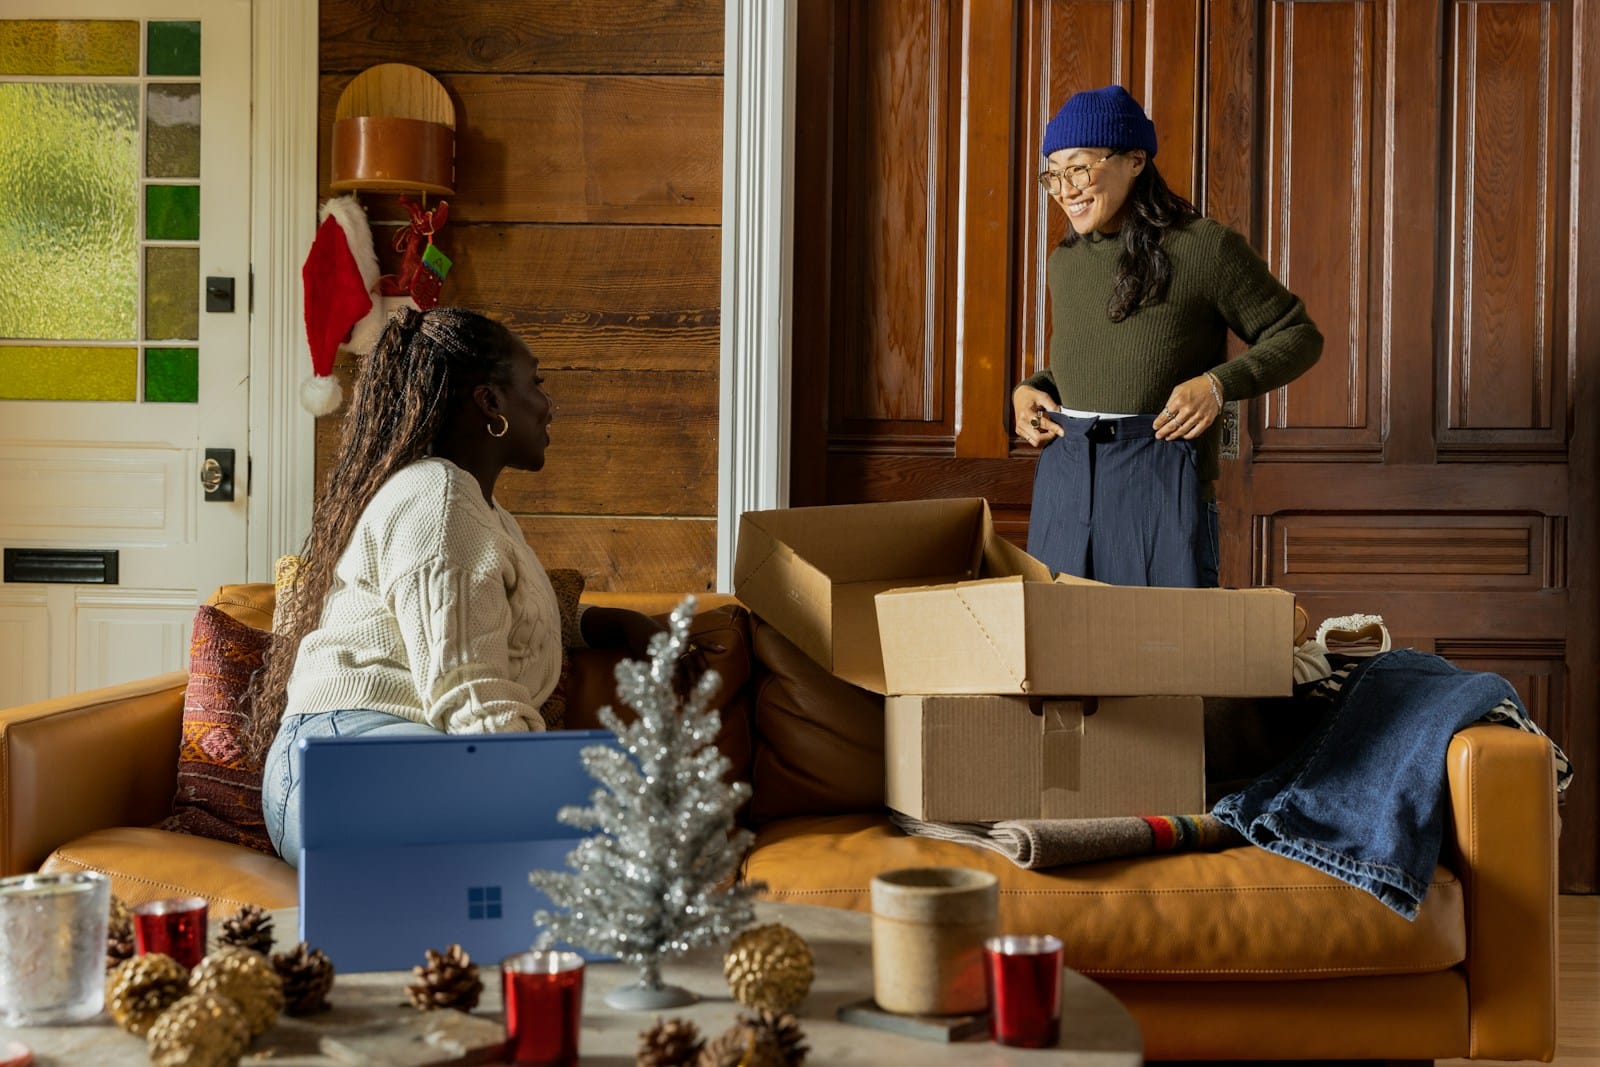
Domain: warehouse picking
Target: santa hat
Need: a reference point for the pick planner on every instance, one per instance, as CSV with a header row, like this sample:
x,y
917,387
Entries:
x,y
341,298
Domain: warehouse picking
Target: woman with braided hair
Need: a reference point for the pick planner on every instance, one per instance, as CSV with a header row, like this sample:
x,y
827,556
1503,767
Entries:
x,y
418,607
1143,293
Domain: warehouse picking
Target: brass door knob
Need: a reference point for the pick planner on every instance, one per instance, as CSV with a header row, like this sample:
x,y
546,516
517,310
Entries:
x,y
210,475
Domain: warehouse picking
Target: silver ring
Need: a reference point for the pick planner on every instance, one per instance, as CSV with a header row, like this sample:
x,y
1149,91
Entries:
x,y
1170,416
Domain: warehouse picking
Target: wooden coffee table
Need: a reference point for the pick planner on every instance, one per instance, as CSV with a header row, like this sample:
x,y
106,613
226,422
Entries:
x,y
372,1023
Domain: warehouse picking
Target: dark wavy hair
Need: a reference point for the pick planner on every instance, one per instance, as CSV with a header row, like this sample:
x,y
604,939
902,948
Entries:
x,y
1144,271
419,372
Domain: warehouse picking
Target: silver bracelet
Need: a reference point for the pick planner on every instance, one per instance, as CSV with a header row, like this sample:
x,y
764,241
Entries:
x,y
1216,389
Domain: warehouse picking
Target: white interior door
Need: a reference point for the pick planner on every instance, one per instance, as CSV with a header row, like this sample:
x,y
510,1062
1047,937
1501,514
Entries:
x,y
124,150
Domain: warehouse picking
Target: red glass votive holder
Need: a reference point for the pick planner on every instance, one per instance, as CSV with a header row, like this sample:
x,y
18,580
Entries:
x,y
175,927
1024,979
544,1006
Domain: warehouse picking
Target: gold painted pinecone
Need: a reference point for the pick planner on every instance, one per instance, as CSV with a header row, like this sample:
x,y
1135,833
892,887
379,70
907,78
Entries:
x,y
448,980
307,979
140,989
120,944
784,1029
673,1043
201,1030
246,978
741,1045
250,927
769,968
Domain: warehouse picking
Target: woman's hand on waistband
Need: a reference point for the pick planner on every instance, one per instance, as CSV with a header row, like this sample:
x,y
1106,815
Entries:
x,y
1189,410
1029,405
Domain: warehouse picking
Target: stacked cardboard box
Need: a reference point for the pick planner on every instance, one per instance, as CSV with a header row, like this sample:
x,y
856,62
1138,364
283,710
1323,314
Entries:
x,y
1009,694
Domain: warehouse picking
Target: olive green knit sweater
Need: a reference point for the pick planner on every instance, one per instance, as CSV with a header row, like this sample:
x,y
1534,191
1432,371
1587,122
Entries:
x,y
1130,367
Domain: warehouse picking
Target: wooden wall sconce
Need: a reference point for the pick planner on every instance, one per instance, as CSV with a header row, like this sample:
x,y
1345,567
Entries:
x,y
394,131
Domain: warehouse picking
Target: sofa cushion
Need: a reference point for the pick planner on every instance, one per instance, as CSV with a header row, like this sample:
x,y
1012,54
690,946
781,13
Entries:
x,y
818,739
219,790
1239,915
722,642
145,863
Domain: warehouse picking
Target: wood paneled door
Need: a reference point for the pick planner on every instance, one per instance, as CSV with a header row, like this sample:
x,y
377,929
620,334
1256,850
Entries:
x,y
1422,172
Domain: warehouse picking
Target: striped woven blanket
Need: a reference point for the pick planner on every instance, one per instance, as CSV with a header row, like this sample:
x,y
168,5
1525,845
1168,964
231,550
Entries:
x,y
1039,843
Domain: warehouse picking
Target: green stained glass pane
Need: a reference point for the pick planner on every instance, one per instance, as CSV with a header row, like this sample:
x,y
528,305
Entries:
x,y
172,131
69,47
174,49
52,373
172,375
69,165
172,294
172,212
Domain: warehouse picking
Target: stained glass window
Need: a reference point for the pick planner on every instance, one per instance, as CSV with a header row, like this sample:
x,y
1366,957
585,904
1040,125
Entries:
x,y
66,48
101,219
65,372
69,162
172,375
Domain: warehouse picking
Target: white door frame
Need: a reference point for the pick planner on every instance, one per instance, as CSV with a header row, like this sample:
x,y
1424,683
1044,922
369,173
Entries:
x,y
757,227
757,265
283,197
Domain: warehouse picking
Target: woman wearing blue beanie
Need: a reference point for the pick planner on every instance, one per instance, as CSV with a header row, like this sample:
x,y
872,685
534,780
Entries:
x,y
1143,293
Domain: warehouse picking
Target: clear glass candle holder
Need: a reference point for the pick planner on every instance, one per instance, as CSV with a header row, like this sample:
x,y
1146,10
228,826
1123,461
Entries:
x,y
53,947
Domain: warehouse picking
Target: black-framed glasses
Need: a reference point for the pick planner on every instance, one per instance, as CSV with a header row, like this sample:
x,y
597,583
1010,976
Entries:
x,y
1078,175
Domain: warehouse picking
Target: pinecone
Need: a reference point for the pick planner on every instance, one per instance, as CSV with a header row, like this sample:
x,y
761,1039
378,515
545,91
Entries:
x,y
784,1030
741,1045
449,980
250,927
769,968
674,1043
120,944
307,978
201,1030
140,989
246,978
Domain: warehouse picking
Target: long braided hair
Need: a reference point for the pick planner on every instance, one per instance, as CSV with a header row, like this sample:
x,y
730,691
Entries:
x,y
422,367
1144,270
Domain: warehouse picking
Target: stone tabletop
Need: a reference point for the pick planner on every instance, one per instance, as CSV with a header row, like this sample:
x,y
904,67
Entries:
x,y
372,1023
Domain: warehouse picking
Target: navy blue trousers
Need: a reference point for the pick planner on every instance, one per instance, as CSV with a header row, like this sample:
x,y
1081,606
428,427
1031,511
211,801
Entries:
x,y
1113,503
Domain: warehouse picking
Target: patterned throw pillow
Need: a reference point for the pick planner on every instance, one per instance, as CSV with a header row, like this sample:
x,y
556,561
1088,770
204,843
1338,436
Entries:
x,y
219,791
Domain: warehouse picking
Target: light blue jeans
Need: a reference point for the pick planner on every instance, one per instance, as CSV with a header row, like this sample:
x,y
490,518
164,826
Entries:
x,y
280,778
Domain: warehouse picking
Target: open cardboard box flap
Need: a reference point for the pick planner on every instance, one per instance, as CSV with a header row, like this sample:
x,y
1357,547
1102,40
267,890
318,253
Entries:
x,y
1012,635
923,596
814,573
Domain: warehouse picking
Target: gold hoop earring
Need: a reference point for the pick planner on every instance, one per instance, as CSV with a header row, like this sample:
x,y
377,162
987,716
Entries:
x,y
505,424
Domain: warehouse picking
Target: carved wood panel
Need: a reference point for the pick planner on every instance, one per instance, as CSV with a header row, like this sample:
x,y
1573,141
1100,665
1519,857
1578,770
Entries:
x,y
893,196
1434,551
1326,71
1506,356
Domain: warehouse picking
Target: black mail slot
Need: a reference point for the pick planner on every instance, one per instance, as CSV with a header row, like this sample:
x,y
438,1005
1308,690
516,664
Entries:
x,y
72,566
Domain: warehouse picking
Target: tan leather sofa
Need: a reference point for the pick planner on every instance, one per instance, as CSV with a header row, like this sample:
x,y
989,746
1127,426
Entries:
x,y
1234,955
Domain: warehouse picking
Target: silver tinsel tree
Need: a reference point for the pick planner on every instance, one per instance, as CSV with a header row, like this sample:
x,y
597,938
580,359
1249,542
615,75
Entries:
x,y
655,881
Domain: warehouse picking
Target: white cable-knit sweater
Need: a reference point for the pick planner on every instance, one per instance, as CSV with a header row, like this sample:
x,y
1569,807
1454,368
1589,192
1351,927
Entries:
x,y
438,612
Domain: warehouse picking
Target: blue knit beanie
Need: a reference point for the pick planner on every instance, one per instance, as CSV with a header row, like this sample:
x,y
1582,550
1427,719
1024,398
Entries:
x,y
1100,118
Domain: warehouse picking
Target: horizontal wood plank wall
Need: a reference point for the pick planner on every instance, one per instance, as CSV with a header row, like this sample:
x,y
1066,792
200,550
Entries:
x,y
587,217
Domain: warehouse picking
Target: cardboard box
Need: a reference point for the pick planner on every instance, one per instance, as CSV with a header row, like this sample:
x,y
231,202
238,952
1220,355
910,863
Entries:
x,y
813,572
1071,636
965,611
982,758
